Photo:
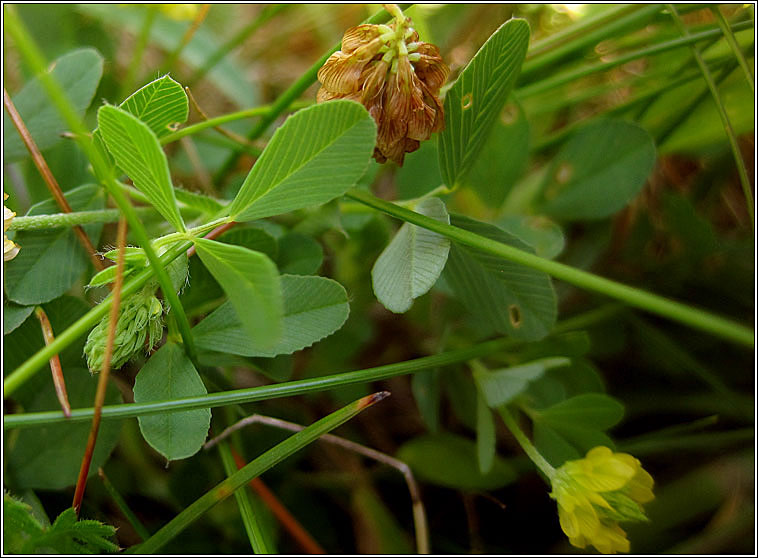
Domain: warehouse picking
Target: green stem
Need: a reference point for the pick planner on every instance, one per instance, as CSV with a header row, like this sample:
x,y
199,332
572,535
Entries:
x,y
252,526
37,361
587,32
288,97
684,113
263,393
525,443
649,94
729,35
65,220
218,120
139,48
567,77
696,318
155,263
741,169
253,469
266,14
130,516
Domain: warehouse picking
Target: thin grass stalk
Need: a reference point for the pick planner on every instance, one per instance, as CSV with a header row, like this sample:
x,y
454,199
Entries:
x,y
587,32
170,62
739,161
251,523
573,75
151,10
731,39
262,18
287,520
130,516
262,393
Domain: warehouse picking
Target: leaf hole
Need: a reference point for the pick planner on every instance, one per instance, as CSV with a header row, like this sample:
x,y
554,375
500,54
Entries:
x,y
509,114
515,315
467,100
564,173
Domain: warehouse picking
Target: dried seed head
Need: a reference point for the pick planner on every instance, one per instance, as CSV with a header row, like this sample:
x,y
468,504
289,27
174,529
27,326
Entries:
x,y
396,77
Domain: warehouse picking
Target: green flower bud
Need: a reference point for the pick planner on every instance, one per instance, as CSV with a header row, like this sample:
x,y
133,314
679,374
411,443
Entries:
x,y
140,320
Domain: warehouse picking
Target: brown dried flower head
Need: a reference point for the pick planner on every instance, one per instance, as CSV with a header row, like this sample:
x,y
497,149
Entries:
x,y
395,76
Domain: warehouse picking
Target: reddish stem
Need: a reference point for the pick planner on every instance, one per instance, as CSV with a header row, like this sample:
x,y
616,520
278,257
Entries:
x,y
102,382
48,177
55,364
215,233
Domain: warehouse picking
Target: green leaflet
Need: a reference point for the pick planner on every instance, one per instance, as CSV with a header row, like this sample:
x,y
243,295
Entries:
x,y
513,298
14,315
570,428
539,232
475,100
412,262
503,159
299,254
598,171
450,460
160,104
49,458
136,150
314,307
78,73
206,204
251,282
51,261
499,387
316,155
169,374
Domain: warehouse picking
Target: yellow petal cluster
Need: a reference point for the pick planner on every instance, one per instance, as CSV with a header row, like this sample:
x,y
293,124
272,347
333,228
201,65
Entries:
x,y
396,77
10,248
595,493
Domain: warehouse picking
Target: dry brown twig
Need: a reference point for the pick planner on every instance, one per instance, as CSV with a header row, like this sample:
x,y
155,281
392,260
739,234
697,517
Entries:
x,y
55,363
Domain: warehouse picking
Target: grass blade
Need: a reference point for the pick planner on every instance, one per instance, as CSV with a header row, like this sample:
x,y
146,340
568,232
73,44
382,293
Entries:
x,y
253,469
252,527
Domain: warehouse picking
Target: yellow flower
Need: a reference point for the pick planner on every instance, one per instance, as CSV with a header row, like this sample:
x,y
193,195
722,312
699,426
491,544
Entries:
x,y
396,77
10,248
595,493
180,12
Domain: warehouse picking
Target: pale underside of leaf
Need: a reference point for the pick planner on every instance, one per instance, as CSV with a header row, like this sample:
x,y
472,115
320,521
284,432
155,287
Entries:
x,y
412,262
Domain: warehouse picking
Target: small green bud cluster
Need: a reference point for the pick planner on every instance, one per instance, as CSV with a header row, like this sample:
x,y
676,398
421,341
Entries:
x,y
139,327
